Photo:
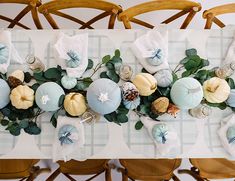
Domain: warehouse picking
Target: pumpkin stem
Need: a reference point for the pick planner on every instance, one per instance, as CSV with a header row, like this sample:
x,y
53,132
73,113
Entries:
x,y
212,88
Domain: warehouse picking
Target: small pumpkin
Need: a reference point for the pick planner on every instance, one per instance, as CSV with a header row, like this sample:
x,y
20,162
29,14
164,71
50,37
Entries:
x,y
160,105
160,133
68,82
216,90
19,74
164,77
231,98
74,104
156,58
74,59
132,104
68,134
22,97
4,93
145,83
4,53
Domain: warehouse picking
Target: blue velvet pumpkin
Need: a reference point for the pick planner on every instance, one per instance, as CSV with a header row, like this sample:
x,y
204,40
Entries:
x,y
74,59
48,95
65,133
186,93
160,132
4,93
231,98
4,53
156,58
104,96
132,104
231,134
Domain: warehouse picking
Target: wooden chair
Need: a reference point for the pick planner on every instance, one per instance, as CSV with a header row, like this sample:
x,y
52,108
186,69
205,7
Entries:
x,y
88,167
31,6
55,7
210,15
149,169
185,6
204,169
20,169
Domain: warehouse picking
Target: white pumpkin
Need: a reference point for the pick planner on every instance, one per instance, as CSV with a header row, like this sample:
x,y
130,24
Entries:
x,y
74,104
216,90
145,83
22,97
19,74
164,77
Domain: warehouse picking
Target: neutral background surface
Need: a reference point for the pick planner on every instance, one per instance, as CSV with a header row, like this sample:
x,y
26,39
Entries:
x,y
154,18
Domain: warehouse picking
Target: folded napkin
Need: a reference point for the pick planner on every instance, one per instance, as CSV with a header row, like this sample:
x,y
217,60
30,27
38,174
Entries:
x,y
230,56
72,52
151,50
69,139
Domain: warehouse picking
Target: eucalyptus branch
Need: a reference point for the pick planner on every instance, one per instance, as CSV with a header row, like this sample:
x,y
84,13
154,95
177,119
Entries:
x,y
97,67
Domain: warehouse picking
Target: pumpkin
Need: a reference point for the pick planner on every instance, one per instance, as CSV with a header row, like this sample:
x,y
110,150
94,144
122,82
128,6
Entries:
x,y
4,53
4,93
160,133
48,95
68,134
186,93
19,74
156,58
160,105
103,96
68,82
231,98
145,83
74,59
74,104
164,77
216,90
132,104
22,97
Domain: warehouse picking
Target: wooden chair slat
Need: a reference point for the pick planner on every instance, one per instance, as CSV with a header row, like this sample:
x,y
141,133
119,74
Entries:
x,y
218,22
175,16
140,22
10,20
35,17
188,19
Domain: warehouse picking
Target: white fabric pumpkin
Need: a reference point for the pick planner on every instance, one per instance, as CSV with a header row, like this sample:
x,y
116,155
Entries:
x,y
164,77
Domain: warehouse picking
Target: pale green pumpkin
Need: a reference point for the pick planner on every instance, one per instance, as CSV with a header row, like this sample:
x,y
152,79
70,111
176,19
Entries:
x,y
74,59
68,82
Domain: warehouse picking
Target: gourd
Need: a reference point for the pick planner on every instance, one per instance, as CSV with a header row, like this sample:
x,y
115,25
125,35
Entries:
x,y
68,134
48,95
22,97
130,96
68,82
164,77
145,83
74,59
4,93
156,58
231,98
216,90
160,105
230,134
4,53
186,93
103,96
74,104
160,133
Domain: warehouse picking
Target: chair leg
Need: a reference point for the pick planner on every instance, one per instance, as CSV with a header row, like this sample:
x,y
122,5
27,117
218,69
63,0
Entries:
x,y
35,171
124,174
191,172
175,178
54,175
69,177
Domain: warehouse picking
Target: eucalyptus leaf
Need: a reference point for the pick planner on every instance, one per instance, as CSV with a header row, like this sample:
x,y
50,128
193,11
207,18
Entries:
x,y
23,123
103,75
4,122
52,74
113,75
109,66
39,76
106,59
14,129
186,73
191,52
90,64
32,129
138,125
117,53
53,119
61,100
122,118
231,83
27,77
194,62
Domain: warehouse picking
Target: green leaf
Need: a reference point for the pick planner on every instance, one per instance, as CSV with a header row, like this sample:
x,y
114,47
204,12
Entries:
x,y
194,61
14,129
27,77
117,53
185,60
6,111
32,129
90,64
144,109
35,86
4,122
122,118
122,110
61,100
191,52
186,73
110,66
52,74
103,75
175,77
84,83
112,117
221,106
113,75
138,125
39,76
106,59
205,62
116,60
202,74
53,119
231,83
23,123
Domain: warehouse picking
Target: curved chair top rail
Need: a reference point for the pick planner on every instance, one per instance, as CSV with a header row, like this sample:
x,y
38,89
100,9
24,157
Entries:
x,y
37,2
218,10
160,5
52,6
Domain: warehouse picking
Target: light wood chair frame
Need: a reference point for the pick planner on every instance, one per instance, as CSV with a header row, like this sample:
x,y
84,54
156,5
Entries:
x,y
31,6
210,14
54,7
185,6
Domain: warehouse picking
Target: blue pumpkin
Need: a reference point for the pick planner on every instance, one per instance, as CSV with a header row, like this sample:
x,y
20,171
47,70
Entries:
x,y
65,133
132,104
104,96
231,98
160,133
4,53
164,77
4,93
186,93
68,82
48,95
74,59
156,58
231,135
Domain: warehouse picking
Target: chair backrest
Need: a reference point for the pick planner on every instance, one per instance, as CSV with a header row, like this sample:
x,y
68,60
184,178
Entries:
x,y
185,6
214,168
31,6
150,169
14,169
55,7
210,15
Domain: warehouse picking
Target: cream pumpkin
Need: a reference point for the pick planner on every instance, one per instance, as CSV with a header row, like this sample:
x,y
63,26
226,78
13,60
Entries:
x,y
22,97
19,74
216,90
74,104
145,83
